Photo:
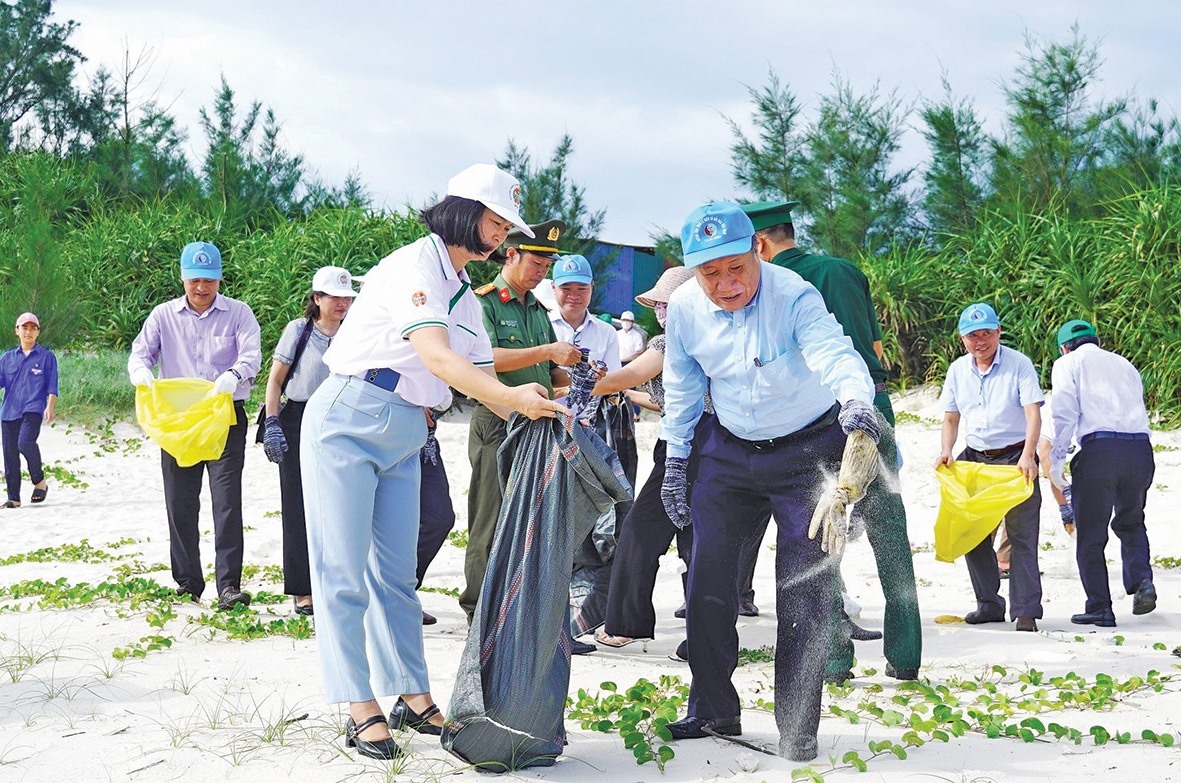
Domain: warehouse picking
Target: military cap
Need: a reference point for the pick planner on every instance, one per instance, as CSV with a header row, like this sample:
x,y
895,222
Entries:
x,y
543,243
764,214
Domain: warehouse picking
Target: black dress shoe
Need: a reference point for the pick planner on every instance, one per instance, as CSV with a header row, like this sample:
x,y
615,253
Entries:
x,y
428,619
305,609
231,597
903,673
978,618
376,749
695,728
1144,601
1026,624
1104,618
403,717
859,634
798,749
184,591
581,648
680,613
747,609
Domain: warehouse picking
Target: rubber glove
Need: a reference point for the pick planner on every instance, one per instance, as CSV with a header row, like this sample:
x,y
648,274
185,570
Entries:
x,y
1058,474
274,442
142,376
674,491
858,415
1066,510
430,449
859,467
226,383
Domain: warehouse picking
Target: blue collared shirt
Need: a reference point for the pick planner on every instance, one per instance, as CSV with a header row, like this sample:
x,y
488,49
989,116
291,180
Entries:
x,y
992,404
27,380
772,367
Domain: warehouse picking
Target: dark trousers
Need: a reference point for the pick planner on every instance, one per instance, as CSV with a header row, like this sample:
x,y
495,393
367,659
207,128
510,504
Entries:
x,y
1111,481
485,434
1022,527
20,437
297,579
436,514
737,486
182,497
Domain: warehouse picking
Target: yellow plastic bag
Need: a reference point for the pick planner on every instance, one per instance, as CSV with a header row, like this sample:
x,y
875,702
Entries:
x,y
180,417
974,498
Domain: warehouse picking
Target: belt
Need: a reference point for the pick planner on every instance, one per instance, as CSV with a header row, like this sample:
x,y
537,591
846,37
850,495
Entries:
x,y
1104,434
382,378
825,419
878,388
1001,450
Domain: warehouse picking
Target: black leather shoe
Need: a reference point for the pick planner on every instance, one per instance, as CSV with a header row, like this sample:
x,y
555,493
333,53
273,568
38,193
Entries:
x,y
901,674
377,749
581,648
428,619
184,591
1104,618
680,613
859,634
1144,601
1026,624
799,749
747,609
695,728
305,609
978,618
403,717
837,678
231,597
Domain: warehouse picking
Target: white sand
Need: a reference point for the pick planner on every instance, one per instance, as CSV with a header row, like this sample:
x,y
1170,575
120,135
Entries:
x,y
214,709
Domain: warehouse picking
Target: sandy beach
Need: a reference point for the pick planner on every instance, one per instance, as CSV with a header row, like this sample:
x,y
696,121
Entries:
x,y
187,702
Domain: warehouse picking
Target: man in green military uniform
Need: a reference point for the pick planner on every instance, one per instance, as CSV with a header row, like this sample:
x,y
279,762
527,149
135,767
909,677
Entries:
x,y
524,350
846,294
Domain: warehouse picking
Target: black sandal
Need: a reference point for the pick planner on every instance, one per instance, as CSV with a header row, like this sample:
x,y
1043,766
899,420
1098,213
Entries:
x,y
376,749
11,504
39,494
403,716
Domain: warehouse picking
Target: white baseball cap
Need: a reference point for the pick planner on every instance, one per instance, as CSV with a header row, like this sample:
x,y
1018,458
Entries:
x,y
334,281
627,315
495,189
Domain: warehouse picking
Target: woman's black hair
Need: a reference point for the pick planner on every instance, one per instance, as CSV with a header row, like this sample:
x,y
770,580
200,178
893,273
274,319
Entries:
x,y
457,222
312,310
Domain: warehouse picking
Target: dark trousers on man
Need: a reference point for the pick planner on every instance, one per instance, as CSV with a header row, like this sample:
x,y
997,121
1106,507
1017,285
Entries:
x,y
1022,527
182,497
20,437
485,434
297,578
436,513
1110,483
738,484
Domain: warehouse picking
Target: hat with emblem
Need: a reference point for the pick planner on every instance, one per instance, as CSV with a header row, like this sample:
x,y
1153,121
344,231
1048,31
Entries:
x,y
334,281
543,241
978,316
572,269
715,231
498,190
1073,329
764,214
200,261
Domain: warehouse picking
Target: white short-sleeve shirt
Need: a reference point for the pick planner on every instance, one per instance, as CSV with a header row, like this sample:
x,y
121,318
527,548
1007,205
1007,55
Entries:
x,y
595,335
416,286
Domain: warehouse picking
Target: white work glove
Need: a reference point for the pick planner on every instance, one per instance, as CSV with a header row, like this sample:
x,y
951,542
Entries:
x,y
141,376
226,383
859,467
1058,474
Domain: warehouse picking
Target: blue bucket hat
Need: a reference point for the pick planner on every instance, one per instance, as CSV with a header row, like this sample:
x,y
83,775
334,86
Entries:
x,y
976,317
572,269
200,261
714,231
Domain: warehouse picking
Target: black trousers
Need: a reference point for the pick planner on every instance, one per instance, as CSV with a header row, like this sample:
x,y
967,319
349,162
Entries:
x,y
297,578
436,514
1111,481
20,437
182,497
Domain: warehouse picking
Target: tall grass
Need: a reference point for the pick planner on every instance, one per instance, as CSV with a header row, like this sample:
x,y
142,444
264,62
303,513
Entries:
x,y
93,386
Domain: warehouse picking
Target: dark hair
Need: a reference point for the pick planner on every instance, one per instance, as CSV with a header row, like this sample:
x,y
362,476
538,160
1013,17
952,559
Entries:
x,y
457,222
780,232
1077,342
312,310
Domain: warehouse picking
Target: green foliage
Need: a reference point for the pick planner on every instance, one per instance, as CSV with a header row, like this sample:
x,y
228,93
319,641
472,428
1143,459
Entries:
x,y
640,714
94,386
36,62
1163,561
145,645
764,654
82,552
953,178
448,591
245,623
458,538
60,594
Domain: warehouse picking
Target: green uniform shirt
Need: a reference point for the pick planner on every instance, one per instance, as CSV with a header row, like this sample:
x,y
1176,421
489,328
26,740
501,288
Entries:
x,y
513,324
846,294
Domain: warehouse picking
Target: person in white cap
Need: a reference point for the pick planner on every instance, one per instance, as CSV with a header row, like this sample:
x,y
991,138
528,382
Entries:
x,y
631,339
297,370
574,286
415,330
28,377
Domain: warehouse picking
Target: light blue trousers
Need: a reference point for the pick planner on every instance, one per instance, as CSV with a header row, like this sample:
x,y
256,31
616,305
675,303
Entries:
x,y
360,464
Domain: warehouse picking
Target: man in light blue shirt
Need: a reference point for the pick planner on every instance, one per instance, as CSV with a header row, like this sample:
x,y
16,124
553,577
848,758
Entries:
x,y
993,391
787,387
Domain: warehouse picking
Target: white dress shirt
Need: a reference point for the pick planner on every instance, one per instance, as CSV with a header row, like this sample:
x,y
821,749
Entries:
x,y
1095,391
592,333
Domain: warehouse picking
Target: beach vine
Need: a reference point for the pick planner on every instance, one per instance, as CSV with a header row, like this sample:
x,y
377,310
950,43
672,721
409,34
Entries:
x,y
640,715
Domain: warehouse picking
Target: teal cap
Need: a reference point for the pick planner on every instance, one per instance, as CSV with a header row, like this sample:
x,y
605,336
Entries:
x,y
1073,329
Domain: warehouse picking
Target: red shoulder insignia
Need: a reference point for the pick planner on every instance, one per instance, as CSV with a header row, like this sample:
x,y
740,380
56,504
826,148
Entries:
x,y
505,295
485,289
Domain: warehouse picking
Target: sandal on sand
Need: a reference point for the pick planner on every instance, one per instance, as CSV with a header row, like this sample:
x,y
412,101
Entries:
x,y
39,494
12,504
609,640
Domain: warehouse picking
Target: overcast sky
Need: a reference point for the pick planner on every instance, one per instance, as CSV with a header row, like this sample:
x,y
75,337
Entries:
x,y
410,93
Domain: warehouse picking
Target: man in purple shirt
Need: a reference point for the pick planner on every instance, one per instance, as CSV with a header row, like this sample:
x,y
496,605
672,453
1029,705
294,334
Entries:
x,y
203,335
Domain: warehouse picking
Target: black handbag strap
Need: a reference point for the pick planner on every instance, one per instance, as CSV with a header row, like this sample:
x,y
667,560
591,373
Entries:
x,y
299,346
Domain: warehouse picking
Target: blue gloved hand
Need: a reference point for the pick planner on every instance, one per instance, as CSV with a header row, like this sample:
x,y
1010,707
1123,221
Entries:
x,y
1066,510
430,449
674,491
274,442
858,415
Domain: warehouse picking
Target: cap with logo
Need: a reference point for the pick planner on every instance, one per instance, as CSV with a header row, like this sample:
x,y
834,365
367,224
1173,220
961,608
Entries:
x,y
715,231
976,317
627,315
27,318
572,269
543,241
200,261
334,281
495,189
1073,329
764,214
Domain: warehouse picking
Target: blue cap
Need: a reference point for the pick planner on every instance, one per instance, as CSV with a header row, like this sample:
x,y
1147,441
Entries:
x,y
715,231
976,317
200,261
572,269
